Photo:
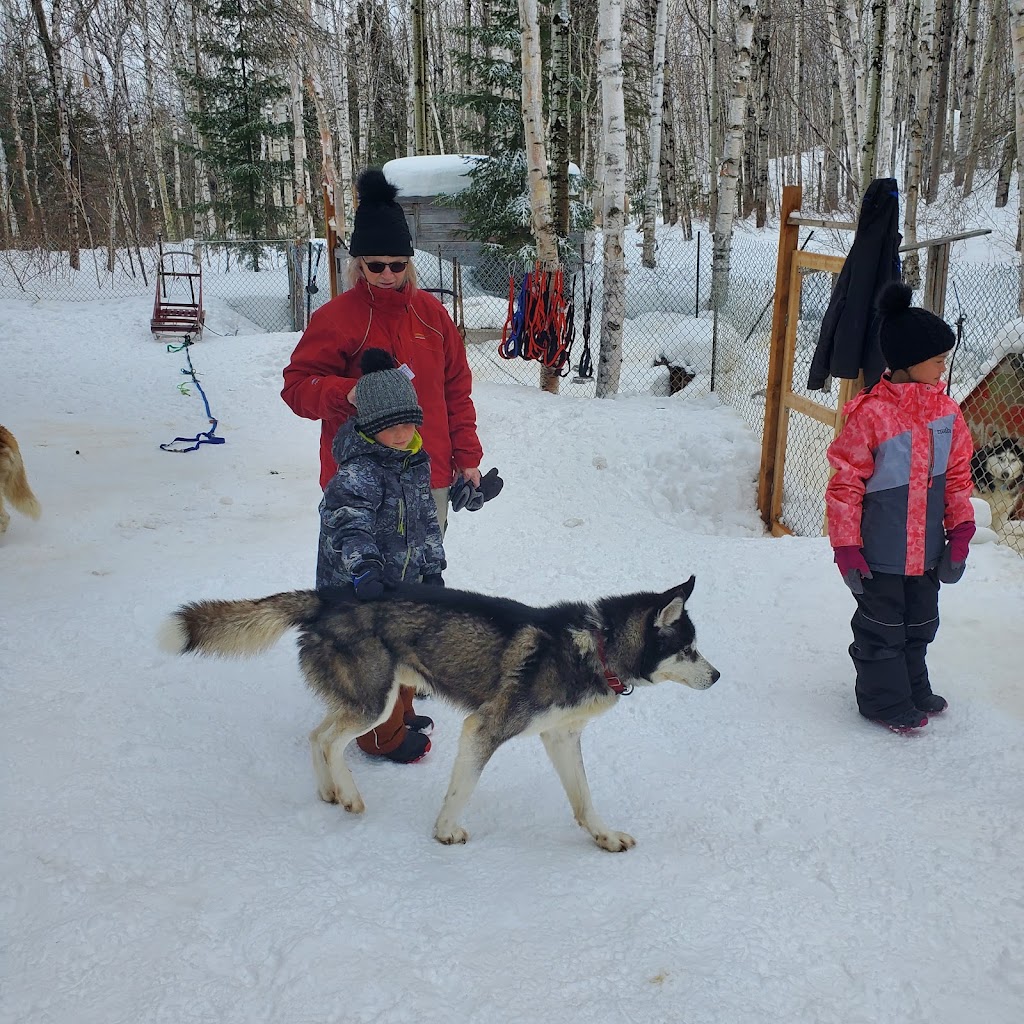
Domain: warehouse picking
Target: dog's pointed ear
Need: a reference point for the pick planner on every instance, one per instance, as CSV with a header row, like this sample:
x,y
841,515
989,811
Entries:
x,y
684,590
674,599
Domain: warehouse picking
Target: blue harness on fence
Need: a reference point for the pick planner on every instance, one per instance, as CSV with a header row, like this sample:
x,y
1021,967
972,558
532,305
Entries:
x,y
204,436
512,344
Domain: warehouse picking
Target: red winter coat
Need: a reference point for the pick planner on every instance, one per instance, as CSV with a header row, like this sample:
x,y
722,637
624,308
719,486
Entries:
x,y
417,330
903,476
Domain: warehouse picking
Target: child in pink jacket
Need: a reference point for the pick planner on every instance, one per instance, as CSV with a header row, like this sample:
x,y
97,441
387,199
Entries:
x,y
899,512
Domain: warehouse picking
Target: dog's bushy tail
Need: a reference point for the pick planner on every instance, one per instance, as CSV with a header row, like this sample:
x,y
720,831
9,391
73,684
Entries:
x,y
17,490
236,629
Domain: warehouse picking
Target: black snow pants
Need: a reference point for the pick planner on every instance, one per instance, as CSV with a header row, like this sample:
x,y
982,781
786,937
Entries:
x,y
896,619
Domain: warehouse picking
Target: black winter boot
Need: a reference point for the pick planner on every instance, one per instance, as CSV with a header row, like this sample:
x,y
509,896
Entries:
x,y
411,749
904,721
931,704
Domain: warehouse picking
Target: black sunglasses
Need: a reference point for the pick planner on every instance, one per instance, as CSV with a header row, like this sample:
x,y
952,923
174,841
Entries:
x,y
377,266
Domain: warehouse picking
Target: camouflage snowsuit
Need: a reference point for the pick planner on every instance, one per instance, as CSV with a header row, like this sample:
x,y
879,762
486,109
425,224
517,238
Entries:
x,y
377,509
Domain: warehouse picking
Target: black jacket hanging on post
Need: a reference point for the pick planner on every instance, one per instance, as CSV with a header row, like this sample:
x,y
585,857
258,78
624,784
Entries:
x,y
848,342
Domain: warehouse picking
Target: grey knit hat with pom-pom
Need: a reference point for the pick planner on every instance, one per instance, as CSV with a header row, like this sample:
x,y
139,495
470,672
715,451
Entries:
x,y
909,334
384,395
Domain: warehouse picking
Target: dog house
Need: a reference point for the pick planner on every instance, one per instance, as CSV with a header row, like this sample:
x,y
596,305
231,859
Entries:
x,y
994,411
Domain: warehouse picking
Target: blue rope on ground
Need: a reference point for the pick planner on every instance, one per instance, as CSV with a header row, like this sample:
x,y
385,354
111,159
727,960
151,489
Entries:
x,y
204,436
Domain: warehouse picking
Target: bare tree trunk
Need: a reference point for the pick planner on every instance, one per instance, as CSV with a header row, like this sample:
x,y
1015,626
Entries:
x,y
967,77
303,213
982,95
613,296
943,53
843,75
1007,159
8,217
714,113
418,35
669,204
52,42
869,141
727,175
1017,48
179,226
887,125
20,159
856,51
763,33
917,119
559,118
165,221
654,134
536,155
343,195
831,186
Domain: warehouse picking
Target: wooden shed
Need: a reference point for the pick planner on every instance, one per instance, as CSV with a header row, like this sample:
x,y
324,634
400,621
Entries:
x,y
436,227
420,180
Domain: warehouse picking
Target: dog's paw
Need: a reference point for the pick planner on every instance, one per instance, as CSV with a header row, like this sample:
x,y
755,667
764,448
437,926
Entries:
x,y
332,796
450,836
615,842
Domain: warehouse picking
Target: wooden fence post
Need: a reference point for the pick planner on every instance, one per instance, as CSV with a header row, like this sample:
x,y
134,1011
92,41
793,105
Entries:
x,y
788,238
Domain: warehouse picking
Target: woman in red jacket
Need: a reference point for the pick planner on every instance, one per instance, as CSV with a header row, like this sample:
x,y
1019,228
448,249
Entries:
x,y
383,308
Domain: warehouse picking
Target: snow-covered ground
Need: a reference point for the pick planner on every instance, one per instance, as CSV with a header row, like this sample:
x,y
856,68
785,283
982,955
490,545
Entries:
x,y
164,854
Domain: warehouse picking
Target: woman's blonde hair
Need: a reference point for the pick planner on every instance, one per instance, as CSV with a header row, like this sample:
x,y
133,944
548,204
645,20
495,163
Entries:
x,y
354,271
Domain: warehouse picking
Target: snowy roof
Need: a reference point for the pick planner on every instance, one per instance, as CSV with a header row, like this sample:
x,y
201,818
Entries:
x,y
430,175
434,175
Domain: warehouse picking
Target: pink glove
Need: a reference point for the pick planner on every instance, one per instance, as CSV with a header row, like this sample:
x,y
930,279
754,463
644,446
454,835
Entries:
x,y
854,569
960,541
954,555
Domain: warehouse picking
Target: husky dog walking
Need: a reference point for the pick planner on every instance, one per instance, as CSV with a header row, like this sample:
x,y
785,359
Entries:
x,y
13,482
516,670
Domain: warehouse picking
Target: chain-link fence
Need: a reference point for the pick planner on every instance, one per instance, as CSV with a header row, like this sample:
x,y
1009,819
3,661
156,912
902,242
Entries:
x,y
248,287
673,343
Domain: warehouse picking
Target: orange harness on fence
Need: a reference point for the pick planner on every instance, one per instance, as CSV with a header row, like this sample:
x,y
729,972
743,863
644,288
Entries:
x,y
540,325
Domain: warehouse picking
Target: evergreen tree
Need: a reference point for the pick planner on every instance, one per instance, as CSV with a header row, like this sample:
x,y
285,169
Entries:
x,y
496,205
236,93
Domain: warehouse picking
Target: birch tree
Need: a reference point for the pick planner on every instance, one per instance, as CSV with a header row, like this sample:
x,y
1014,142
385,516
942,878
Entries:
x,y
537,174
52,40
840,50
166,218
654,136
940,98
764,109
982,94
559,123
924,54
873,95
968,79
887,106
613,295
1017,47
728,172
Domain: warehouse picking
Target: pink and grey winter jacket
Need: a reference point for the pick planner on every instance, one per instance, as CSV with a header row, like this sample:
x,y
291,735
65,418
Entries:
x,y
902,476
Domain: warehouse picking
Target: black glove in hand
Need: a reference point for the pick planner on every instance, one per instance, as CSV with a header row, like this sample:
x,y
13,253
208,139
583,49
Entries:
x,y
464,494
491,484
432,579
368,584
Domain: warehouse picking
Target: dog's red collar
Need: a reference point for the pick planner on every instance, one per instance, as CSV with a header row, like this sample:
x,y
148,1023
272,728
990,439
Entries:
x,y
615,684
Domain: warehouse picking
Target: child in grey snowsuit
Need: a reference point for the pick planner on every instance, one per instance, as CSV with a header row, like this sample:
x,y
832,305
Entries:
x,y
378,520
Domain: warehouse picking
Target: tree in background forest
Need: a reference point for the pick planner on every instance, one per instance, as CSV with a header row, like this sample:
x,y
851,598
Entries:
x,y
236,87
